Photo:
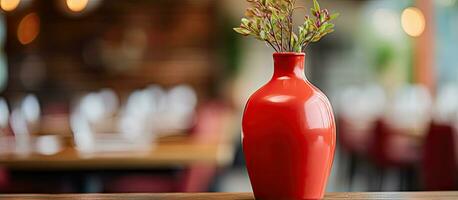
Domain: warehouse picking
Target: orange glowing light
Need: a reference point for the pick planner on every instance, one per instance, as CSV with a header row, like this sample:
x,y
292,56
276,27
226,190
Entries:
x,y
413,21
77,5
9,5
28,28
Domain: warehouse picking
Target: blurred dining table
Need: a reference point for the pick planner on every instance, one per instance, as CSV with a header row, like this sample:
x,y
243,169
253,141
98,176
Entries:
x,y
181,161
171,151
210,142
235,196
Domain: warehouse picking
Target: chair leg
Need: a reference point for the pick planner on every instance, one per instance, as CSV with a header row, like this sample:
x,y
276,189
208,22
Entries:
x,y
402,180
351,170
376,179
412,179
381,179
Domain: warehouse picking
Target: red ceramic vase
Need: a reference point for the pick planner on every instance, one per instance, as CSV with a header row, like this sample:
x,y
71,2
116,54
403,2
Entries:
x,y
288,134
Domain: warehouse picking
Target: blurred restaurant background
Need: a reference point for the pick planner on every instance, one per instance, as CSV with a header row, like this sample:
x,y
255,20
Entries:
x,y
147,96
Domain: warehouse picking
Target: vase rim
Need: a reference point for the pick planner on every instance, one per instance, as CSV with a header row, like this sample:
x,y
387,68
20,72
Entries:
x,y
288,54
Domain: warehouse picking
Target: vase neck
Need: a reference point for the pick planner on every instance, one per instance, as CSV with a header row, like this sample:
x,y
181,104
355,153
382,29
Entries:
x,y
289,65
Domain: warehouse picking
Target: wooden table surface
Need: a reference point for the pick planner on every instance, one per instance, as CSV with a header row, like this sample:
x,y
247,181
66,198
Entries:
x,y
234,196
176,152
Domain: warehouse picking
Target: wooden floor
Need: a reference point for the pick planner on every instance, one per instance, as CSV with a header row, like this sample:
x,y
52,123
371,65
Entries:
x,y
233,196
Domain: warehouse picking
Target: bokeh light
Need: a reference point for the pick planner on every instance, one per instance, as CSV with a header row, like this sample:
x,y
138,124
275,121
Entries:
x,y
386,22
9,5
31,108
4,113
77,5
28,28
413,21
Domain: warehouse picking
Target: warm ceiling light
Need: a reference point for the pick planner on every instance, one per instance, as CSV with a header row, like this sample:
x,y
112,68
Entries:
x,y
413,21
28,28
9,5
77,5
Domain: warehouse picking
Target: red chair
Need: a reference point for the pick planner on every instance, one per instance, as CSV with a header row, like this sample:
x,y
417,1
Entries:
x,y
439,158
3,179
391,148
209,129
353,141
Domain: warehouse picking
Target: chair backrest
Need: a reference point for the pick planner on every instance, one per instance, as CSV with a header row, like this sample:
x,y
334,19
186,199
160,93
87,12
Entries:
x,y
3,179
439,159
378,143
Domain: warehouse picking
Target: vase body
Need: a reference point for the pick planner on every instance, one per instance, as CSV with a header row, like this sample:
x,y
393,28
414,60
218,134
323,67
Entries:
x,y
288,135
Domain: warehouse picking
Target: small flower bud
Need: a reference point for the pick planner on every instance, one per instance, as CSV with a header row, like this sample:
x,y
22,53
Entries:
x,y
325,11
318,23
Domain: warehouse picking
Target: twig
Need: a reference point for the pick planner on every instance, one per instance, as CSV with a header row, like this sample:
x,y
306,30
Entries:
x,y
268,42
281,35
300,7
290,18
251,29
308,42
273,32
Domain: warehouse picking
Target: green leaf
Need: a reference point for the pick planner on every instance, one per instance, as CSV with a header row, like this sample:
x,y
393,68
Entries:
x,y
245,21
328,26
307,24
309,37
334,16
301,30
329,31
262,34
316,6
321,29
316,38
294,42
322,18
242,31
